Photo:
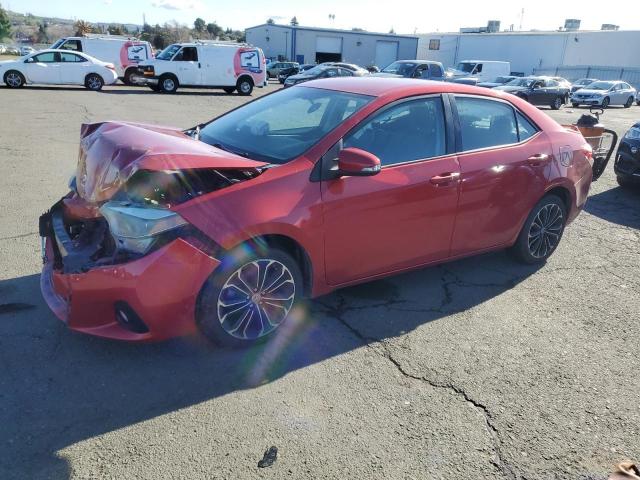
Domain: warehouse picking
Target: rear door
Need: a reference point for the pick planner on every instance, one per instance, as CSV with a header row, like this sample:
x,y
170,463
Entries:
x,y
43,68
404,215
73,68
187,66
504,165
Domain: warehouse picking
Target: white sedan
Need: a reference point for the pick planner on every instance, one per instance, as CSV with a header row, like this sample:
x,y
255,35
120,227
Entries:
x,y
58,67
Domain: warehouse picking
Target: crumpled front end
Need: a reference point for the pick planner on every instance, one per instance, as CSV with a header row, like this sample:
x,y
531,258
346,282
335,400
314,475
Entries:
x,y
119,262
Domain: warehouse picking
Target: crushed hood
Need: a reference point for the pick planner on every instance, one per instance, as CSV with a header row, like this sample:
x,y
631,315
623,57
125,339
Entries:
x,y
111,152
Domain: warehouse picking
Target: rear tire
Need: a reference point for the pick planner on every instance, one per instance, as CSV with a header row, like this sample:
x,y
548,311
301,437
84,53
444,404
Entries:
x,y
127,77
606,102
629,102
245,86
93,82
557,103
249,298
229,90
14,79
575,105
542,231
168,83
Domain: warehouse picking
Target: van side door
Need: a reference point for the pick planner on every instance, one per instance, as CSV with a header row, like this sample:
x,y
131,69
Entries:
x,y
187,66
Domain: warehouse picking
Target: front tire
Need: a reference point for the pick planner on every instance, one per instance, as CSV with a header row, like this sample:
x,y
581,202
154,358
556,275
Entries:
x,y
245,86
629,102
93,82
128,77
249,298
168,83
14,79
606,102
557,103
542,231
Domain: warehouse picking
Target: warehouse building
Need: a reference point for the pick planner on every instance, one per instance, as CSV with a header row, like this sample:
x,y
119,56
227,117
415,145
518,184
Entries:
x,y
535,51
317,45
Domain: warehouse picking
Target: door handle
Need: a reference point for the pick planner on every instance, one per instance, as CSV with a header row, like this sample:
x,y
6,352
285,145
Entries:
x,y
538,159
444,178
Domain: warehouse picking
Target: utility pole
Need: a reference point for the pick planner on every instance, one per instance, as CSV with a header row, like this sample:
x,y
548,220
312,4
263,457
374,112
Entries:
x,y
521,18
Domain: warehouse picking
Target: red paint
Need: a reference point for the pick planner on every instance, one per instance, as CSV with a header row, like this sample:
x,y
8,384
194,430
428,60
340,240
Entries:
x,y
352,228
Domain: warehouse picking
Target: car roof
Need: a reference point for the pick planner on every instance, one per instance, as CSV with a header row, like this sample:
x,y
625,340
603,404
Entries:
x,y
400,87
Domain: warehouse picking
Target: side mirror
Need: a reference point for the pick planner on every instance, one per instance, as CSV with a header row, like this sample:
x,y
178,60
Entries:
x,y
354,162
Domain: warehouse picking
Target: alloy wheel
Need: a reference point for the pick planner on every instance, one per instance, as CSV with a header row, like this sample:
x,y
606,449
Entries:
x,y
14,79
245,87
545,231
94,83
256,299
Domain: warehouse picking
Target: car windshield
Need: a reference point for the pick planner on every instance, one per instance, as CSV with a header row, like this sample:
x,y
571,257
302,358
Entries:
x,y
279,127
601,86
57,44
466,67
168,53
317,70
521,82
503,79
400,68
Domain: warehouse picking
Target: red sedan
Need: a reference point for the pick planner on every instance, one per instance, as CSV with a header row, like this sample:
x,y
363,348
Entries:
x,y
227,225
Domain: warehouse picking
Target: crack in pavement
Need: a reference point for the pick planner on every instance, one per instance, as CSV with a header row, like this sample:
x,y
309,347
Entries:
x,y
21,235
338,311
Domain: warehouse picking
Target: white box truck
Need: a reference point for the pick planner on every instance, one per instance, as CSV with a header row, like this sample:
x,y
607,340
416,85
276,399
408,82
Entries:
x,y
474,71
229,66
124,52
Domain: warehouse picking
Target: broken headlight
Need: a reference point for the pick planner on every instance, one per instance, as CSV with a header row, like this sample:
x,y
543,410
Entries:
x,y
135,228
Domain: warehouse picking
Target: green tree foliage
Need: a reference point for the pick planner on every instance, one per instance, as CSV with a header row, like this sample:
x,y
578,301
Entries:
x,y
214,30
116,29
43,35
82,28
5,24
270,21
294,22
199,25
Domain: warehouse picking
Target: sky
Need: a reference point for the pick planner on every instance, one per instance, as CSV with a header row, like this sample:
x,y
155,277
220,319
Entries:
x,y
404,16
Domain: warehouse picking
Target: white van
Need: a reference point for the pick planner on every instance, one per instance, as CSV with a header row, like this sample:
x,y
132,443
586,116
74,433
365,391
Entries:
x,y
478,71
123,52
229,66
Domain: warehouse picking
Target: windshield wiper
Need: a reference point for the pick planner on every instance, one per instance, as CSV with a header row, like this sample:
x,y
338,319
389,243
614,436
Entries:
x,y
227,149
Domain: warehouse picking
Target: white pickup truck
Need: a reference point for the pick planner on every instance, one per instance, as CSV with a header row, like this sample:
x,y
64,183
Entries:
x,y
474,71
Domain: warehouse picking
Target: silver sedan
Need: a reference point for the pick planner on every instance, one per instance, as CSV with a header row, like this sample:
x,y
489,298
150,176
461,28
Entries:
x,y
605,93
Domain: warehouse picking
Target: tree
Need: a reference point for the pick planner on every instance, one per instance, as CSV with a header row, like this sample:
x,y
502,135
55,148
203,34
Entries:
x,y
294,22
116,30
270,21
43,35
392,31
82,28
5,24
199,25
214,30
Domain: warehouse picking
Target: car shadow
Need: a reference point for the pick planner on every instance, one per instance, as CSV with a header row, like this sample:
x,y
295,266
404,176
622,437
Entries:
x,y
616,205
126,90
58,388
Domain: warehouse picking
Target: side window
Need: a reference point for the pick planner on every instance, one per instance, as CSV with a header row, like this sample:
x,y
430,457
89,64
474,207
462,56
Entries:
x,y
71,58
436,71
412,130
73,45
485,123
48,57
345,73
526,129
421,71
552,83
479,68
187,54
332,72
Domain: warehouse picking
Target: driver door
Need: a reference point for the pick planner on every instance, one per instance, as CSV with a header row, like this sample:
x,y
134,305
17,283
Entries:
x,y
404,215
43,68
188,67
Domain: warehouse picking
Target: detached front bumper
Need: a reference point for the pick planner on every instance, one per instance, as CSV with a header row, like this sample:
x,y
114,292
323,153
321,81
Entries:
x,y
149,298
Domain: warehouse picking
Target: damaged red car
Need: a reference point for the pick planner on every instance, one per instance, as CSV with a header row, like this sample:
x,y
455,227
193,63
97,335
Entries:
x,y
224,227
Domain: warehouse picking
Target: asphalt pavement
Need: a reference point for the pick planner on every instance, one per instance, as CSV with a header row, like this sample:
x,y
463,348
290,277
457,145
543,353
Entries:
x,y
481,368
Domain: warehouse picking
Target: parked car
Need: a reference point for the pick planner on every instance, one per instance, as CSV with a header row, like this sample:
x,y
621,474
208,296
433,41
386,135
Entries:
x,y
229,66
496,82
605,93
273,69
123,52
538,91
12,51
357,70
317,72
627,163
26,50
58,67
240,218
581,83
286,73
413,69
480,70
373,68
638,98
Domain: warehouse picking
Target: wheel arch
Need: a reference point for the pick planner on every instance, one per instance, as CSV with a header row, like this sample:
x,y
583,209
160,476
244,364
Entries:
x,y
247,77
563,193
